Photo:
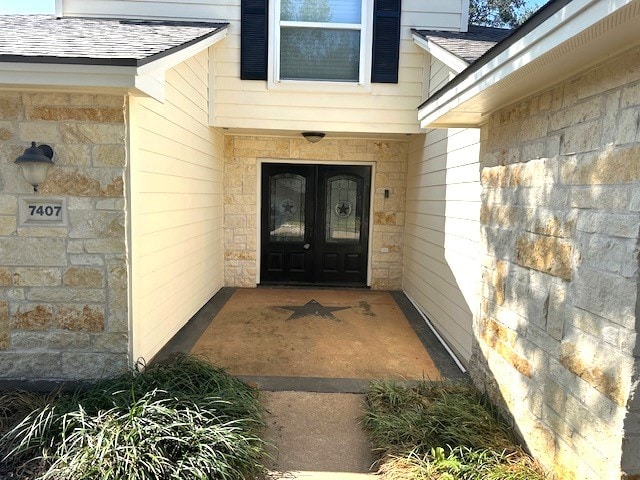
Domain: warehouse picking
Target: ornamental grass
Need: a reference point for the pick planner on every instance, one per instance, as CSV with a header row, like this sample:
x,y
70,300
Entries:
x,y
442,431
184,419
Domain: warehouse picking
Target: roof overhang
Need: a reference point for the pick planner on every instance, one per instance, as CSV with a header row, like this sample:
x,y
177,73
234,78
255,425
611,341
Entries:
x,y
57,74
445,56
564,38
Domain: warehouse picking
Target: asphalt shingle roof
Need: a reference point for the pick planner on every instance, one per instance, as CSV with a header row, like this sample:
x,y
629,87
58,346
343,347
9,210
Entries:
x,y
120,42
469,46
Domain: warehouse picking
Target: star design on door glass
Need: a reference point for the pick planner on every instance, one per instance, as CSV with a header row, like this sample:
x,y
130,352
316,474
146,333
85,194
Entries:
x,y
312,309
288,207
343,209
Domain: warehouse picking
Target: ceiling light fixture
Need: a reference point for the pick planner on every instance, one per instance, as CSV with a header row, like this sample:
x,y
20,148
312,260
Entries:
x,y
313,137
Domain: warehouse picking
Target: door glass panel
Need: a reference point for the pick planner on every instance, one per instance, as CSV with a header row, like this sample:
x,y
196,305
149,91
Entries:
x,y
286,217
343,211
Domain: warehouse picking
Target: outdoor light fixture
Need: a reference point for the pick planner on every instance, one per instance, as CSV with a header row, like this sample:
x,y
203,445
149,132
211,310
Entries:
x,y
35,163
313,137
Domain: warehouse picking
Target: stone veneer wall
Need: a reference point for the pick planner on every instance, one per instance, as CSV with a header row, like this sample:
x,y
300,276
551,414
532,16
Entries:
x,y
241,202
63,290
556,342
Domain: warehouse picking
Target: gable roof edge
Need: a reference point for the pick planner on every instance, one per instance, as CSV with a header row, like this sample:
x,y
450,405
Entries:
x,y
562,38
145,76
450,59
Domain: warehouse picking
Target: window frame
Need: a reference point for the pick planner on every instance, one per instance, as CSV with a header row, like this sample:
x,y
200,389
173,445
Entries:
x,y
363,84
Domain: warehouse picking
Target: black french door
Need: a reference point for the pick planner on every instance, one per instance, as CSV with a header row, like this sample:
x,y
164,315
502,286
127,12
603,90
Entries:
x,y
315,224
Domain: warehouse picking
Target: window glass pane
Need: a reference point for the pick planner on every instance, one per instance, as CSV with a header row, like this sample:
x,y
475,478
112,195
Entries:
x,y
334,11
343,212
319,54
286,218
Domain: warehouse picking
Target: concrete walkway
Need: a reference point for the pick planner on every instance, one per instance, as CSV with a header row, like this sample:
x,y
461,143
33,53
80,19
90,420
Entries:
x,y
316,435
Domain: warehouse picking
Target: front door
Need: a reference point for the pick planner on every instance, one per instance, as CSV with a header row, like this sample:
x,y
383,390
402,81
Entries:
x,y
315,224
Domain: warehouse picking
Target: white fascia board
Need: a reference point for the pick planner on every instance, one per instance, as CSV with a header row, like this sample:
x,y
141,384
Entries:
x,y
445,56
66,75
148,79
170,61
566,23
63,75
152,84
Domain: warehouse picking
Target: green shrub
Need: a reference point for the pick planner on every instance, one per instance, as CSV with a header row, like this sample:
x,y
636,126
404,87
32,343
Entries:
x,y
461,463
185,420
442,431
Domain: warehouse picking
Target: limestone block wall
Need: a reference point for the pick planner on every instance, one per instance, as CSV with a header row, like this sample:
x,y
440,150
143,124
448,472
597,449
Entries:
x,y
63,289
241,200
556,342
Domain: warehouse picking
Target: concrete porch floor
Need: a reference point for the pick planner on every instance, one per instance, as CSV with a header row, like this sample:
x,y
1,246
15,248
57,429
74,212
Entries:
x,y
317,340
312,353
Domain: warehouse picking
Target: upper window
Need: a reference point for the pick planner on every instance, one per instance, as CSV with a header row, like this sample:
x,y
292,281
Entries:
x,y
345,42
320,40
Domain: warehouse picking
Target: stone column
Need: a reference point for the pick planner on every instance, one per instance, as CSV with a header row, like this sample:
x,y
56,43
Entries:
x,y
63,313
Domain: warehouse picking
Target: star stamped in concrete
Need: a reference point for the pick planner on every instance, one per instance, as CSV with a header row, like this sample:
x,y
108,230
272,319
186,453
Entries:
x,y
313,309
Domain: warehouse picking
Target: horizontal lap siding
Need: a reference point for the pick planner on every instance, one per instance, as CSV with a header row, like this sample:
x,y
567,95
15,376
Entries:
x,y
386,108
177,207
176,9
442,230
441,247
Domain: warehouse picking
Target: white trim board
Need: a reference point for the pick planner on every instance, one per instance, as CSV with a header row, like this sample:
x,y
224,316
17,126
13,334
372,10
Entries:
x,y
449,59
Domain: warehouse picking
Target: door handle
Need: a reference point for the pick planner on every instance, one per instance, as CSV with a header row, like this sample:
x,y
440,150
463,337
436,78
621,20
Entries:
x,y
306,246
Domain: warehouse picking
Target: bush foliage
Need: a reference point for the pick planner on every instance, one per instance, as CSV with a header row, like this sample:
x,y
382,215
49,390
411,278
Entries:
x,y
180,420
442,431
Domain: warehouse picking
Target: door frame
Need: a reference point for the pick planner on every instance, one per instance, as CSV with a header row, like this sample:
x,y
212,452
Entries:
x,y
292,161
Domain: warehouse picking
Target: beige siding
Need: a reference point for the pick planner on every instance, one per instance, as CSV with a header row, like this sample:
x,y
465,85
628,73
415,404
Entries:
x,y
176,207
441,261
442,230
384,108
176,9
439,75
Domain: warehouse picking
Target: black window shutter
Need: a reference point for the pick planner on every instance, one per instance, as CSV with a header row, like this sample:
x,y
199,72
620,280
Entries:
x,y
386,41
253,39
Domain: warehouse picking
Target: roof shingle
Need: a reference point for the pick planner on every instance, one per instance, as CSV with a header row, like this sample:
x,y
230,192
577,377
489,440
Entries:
x,y
470,45
119,42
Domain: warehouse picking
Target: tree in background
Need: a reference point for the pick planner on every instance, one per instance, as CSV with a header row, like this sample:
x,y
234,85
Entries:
x,y
500,13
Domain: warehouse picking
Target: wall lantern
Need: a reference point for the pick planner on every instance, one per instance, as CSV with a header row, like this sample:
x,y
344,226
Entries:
x,y
35,163
313,137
